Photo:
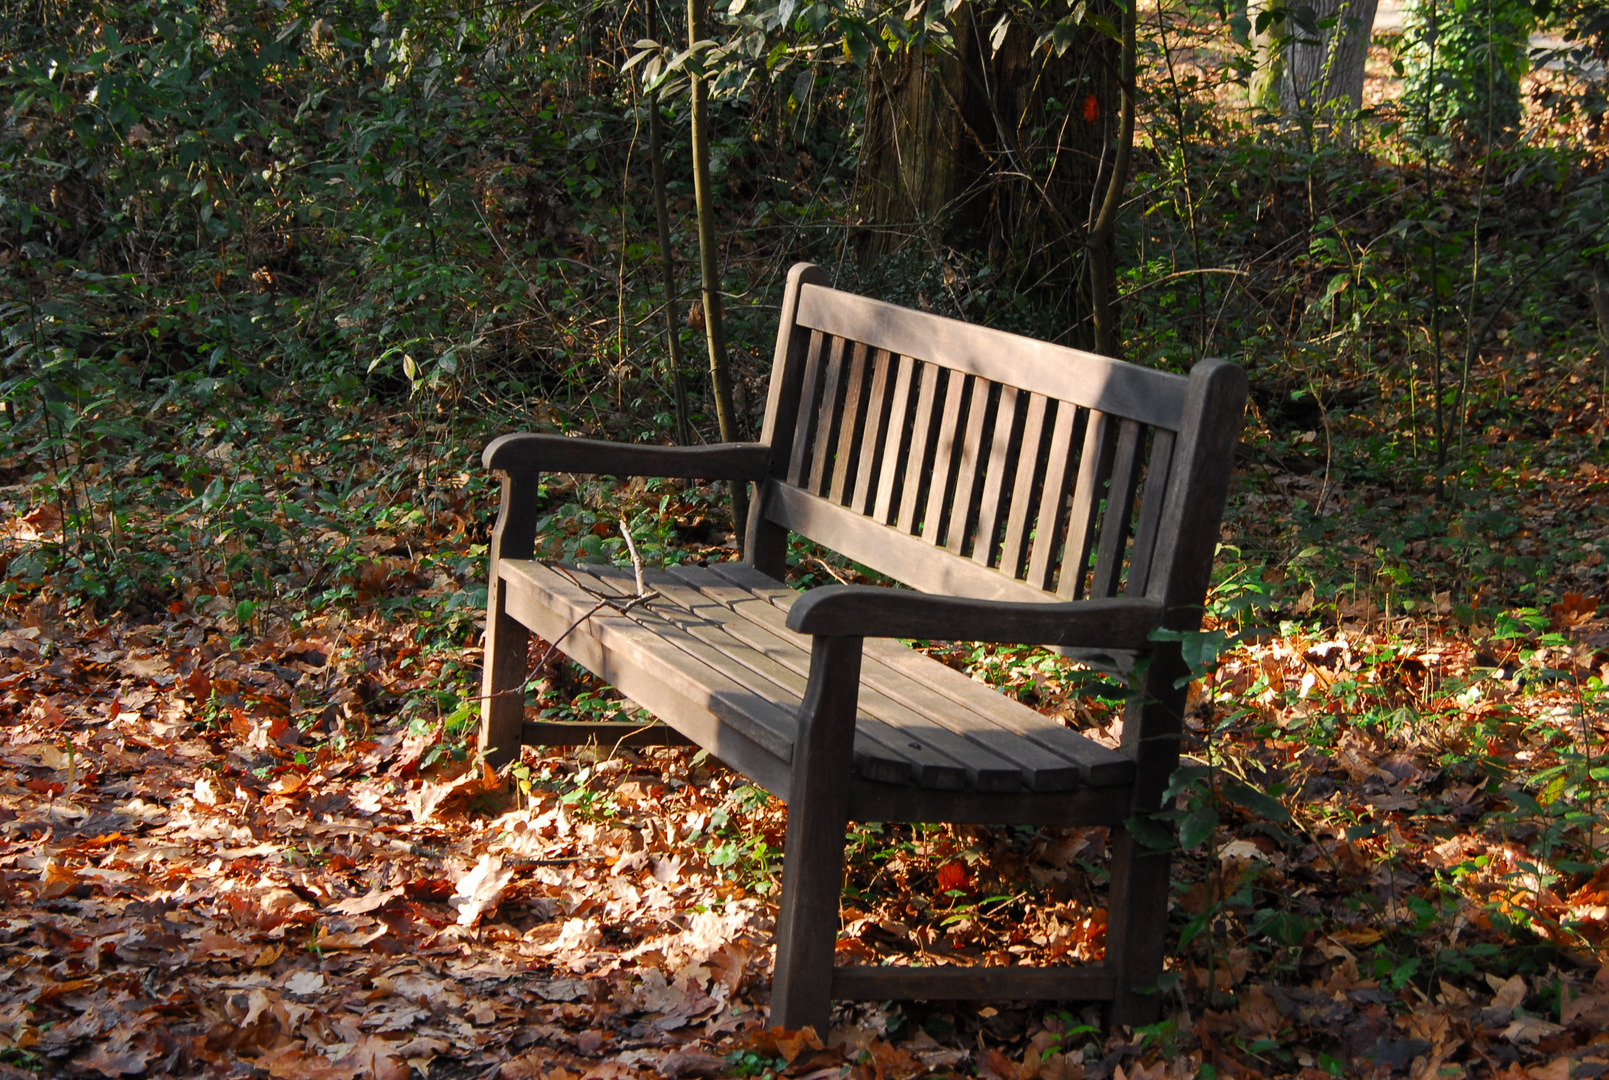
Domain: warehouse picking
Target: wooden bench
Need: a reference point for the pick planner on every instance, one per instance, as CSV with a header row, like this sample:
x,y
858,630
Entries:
x,y
1031,493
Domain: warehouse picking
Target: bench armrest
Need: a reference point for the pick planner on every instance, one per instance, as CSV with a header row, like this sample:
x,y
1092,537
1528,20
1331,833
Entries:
x,y
861,611
524,453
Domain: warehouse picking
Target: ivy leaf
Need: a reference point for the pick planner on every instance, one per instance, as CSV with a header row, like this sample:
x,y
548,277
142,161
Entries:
x,y
1258,802
1196,827
1150,833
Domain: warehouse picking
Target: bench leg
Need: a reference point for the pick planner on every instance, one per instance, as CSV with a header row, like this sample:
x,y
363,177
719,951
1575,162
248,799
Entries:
x,y
1136,929
502,707
818,816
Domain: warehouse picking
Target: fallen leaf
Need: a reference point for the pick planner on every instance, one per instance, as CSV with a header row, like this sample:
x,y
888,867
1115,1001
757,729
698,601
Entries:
x,y
305,983
1509,994
480,890
679,1063
1530,1029
108,1062
375,899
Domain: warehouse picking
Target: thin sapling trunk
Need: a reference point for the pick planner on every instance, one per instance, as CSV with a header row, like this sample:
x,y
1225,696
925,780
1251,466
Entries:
x,y
714,331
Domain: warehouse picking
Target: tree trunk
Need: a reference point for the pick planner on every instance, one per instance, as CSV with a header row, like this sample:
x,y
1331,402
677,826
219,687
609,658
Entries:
x,y
1314,70
994,153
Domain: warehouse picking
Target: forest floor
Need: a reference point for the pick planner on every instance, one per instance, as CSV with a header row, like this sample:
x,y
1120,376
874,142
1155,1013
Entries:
x,y
242,839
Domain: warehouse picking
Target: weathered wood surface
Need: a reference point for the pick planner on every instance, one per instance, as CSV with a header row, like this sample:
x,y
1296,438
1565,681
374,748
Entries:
x,y
704,632
901,613
1031,492
1082,378
867,983
521,452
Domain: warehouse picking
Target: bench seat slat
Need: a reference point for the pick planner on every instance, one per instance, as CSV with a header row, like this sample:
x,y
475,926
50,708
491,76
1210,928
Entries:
x,y
1101,766
1041,769
895,722
874,757
752,733
887,731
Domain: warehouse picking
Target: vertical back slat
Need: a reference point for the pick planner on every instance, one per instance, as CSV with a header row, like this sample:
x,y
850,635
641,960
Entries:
x,y
944,457
1015,547
994,482
873,433
916,456
1119,509
1052,497
850,446
827,425
966,474
1156,483
804,432
899,411
1094,466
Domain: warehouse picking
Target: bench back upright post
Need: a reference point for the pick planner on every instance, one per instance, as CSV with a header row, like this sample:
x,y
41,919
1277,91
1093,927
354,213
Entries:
x,y
1153,720
768,541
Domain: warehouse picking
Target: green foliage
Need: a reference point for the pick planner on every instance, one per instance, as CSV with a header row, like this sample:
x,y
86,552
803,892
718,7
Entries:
x,y
1461,68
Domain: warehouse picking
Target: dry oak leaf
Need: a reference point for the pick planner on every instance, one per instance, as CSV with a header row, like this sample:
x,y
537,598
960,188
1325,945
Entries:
x,y
993,1065
377,1058
527,1066
1509,994
890,1062
481,890
334,940
305,983
1530,1029
55,880
433,798
1591,1009
783,1043
1160,1070
375,899
111,1061
1557,1069
292,1062
679,1063
212,943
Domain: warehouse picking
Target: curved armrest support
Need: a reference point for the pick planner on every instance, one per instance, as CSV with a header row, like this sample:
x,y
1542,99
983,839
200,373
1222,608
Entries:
x,y
873,612
524,453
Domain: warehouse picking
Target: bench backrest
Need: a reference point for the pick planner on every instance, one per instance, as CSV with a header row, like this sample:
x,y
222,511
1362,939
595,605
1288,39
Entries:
x,y
964,460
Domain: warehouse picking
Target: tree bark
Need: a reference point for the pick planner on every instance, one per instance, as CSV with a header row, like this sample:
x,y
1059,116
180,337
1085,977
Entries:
x,y
1317,71
994,153
1102,241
